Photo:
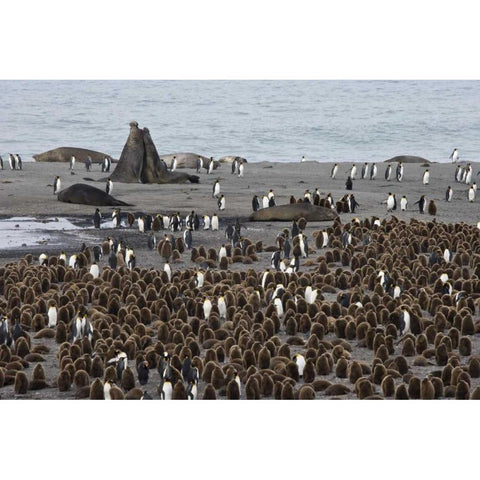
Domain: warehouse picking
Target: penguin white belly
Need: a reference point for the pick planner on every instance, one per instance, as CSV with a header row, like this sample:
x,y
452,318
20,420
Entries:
x,y
52,317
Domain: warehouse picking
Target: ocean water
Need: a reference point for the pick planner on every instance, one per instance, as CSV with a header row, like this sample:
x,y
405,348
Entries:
x,y
259,120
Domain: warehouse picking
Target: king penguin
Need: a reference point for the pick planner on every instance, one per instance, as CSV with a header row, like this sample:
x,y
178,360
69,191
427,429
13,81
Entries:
x,y
454,156
109,186
216,188
334,171
421,204
57,185
221,202
214,222
72,162
373,171
471,194
399,172
97,217
388,172
449,194
403,204
426,177
364,171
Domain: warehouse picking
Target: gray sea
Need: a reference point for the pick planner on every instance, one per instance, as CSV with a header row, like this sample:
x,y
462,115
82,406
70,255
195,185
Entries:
x,y
259,120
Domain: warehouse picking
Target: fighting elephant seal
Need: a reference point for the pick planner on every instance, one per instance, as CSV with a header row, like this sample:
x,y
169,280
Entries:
x,y
188,160
407,159
140,162
293,211
88,195
64,154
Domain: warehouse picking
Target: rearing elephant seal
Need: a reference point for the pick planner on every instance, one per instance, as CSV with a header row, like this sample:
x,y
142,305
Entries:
x,y
88,195
293,211
140,162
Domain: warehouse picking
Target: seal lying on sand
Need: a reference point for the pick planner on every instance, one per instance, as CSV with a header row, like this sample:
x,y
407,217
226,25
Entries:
x,y
140,162
88,195
293,211
232,158
64,154
407,159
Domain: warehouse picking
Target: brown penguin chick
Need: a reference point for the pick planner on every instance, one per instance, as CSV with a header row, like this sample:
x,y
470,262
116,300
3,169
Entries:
x,y
432,208
465,346
427,390
408,348
267,385
96,390
462,391
135,394
388,386
287,392
80,379
322,365
354,372
110,374
401,364
437,386
233,392
217,378
441,354
252,389
306,393
414,388
291,370
179,392
421,343
475,395
264,358
38,381
21,383
341,368
363,388
209,393
379,372
22,348
64,381
116,393
128,379
337,389
60,332
474,367
468,326
401,392
97,370
309,371
277,390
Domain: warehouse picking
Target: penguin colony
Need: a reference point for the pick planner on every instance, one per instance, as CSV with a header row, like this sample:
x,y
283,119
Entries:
x,y
403,294
372,309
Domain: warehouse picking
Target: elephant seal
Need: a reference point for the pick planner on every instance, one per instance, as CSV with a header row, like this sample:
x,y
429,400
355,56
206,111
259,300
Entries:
x,y
232,158
293,211
88,195
407,159
188,160
64,154
140,162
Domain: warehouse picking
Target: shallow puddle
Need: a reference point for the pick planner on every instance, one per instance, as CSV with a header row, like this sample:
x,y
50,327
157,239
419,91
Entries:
x,y
19,232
